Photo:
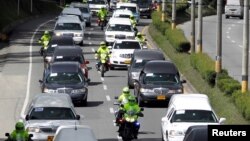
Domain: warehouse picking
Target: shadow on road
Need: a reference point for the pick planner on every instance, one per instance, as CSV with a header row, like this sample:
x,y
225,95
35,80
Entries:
x,y
94,83
139,139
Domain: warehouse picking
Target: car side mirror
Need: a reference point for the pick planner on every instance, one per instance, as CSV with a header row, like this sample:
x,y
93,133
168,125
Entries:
x,y
7,134
183,81
222,120
86,62
109,47
142,109
40,81
78,117
140,115
27,117
164,119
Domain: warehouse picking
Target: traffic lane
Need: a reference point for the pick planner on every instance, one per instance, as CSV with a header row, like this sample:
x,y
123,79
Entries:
x,y
13,76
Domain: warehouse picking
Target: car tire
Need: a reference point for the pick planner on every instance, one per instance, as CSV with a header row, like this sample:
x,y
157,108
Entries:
x,y
84,102
226,16
112,68
81,44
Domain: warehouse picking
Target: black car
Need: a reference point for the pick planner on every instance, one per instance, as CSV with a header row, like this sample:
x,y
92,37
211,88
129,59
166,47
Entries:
x,y
138,60
145,7
71,53
158,81
55,42
196,133
66,77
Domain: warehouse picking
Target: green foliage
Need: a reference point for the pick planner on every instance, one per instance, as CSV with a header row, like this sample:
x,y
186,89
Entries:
x,y
228,85
242,101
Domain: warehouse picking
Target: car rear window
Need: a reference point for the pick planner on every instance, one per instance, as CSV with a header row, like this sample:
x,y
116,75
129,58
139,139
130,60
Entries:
x,y
52,113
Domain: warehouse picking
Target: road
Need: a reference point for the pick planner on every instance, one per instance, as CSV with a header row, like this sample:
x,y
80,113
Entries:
x,y
23,67
232,42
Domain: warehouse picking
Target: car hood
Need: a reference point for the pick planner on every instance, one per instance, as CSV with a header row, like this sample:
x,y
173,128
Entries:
x,y
119,33
50,123
183,126
73,86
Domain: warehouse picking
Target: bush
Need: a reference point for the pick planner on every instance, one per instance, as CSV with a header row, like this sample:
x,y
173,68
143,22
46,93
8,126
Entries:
x,y
242,102
160,26
228,85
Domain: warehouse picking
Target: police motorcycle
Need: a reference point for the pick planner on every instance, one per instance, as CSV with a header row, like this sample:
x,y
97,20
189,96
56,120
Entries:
x,y
102,21
9,139
103,64
44,46
128,124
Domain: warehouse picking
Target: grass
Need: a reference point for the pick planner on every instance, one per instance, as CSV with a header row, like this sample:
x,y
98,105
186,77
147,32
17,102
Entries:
x,y
222,104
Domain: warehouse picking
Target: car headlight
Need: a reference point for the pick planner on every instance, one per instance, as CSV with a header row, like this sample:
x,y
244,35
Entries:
x,y
130,37
135,75
110,36
175,91
176,133
76,91
58,34
143,90
78,35
33,129
49,90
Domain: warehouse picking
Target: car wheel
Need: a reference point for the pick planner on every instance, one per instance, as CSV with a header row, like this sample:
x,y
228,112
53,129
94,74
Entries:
x,y
112,68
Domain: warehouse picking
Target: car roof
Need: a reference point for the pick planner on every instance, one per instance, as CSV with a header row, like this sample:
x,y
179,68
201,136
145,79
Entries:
x,y
79,4
123,21
68,66
148,54
160,66
68,51
123,11
196,133
52,100
68,19
126,4
190,102
71,10
76,132
125,40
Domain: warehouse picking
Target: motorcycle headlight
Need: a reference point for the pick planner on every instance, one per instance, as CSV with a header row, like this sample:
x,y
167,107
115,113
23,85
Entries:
x,y
135,75
78,35
33,129
129,119
143,90
46,90
176,133
76,91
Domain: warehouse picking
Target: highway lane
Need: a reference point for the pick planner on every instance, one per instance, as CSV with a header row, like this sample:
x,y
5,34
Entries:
x,y
232,42
99,112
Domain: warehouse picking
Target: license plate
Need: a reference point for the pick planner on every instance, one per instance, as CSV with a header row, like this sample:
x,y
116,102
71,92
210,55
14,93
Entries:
x,y
50,138
127,61
161,97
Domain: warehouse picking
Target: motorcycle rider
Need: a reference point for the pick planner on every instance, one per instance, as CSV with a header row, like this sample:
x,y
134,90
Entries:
x,y
103,49
102,13
133,21
19,133
44,41
123,99
140,38
128,107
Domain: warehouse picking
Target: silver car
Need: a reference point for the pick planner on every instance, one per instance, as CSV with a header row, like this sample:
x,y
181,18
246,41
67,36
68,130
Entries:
x,y
84,8
47,112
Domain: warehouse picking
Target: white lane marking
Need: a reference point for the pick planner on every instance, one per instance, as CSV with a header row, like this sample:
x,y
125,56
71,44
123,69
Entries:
x,y
240,46
227,32
30,69
233,25
111,110
233,41
105,87
102,78
90,43
228,37
108,97
229,28
93,49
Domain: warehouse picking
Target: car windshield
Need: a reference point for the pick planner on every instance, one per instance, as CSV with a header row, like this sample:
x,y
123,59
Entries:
x,y
64,78
96,2
51,113
84,9
139,63
120,27
193,116
68,26
142,2
160,78
69,58
133,9
127,45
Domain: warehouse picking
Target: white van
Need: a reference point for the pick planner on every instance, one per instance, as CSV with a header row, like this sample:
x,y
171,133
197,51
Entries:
x,y
234,8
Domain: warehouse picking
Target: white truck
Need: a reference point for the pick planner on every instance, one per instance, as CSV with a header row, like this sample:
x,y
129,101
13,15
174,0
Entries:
x,y
234,8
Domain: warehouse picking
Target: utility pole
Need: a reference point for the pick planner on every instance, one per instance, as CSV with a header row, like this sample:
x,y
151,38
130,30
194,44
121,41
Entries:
x,y
193,26
218,59
173,14
18,7
199,40
163,14
244,83
31,6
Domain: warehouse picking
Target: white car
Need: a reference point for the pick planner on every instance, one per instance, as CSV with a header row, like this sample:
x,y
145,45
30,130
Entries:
x,y
70,25
74,11
96,5
185,110
119,28
85,10
122,51
132,7
47,112
122,13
